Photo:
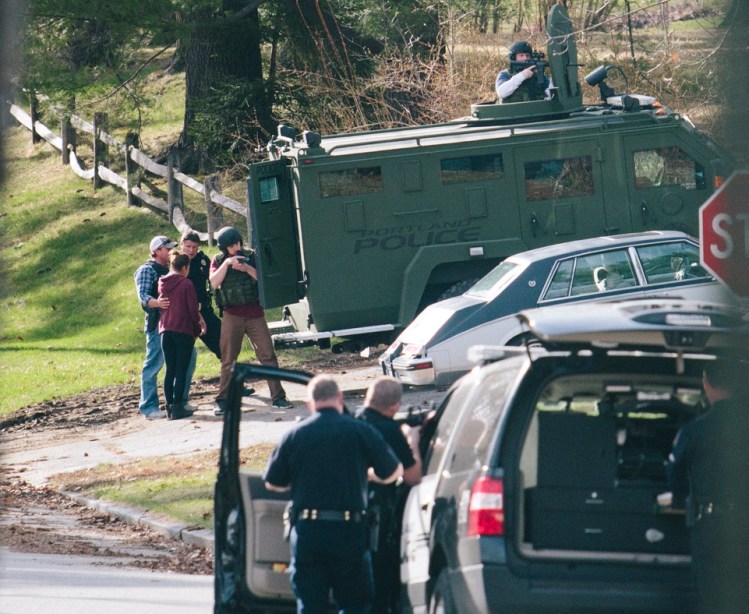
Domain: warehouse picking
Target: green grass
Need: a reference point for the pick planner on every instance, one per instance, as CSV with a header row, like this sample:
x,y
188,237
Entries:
x,y
71,319
179,487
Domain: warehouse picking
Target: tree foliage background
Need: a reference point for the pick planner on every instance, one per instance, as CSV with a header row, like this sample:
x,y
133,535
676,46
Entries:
x,y
342,65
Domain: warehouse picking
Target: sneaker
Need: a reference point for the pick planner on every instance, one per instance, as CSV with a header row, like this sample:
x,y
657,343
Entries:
x,y
190,407
248,392
155,415
220,408
283,403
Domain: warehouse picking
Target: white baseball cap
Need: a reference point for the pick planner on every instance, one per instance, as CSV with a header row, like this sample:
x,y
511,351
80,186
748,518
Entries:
x,y
161,241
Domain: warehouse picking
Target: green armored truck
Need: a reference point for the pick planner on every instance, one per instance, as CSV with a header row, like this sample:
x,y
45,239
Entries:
x,y
355,233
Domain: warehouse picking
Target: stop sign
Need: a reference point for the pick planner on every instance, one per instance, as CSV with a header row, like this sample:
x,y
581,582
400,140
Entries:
x,y
724,233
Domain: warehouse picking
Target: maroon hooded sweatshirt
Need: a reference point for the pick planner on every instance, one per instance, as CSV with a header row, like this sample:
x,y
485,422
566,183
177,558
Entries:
x,y
182,316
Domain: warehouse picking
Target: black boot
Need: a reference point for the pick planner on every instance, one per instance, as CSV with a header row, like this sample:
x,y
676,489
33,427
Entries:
x,y
177,411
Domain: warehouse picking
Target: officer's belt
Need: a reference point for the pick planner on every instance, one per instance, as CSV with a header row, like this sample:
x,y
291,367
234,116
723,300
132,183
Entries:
x,y
714,509
334,515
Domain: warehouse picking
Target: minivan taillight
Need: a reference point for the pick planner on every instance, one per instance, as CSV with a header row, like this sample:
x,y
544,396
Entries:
x,y
486,512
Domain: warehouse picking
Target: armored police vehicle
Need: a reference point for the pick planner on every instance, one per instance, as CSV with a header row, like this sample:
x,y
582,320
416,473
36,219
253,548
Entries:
x,y
355,233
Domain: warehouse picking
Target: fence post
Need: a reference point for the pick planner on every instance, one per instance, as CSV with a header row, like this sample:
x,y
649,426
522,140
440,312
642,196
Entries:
x,y
35,138
131,140
67,132
100,148
174,187
214,217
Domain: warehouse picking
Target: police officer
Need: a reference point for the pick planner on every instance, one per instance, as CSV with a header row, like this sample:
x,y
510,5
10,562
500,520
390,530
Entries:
x,y
325,461
520,82
234,277
710,462
198,275
381,403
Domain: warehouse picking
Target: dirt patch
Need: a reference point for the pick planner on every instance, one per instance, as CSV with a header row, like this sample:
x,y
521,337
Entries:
x,y
92,410
42,521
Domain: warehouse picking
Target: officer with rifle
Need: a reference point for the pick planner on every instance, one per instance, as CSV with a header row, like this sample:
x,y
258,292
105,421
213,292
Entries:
x,y
525,80
381,403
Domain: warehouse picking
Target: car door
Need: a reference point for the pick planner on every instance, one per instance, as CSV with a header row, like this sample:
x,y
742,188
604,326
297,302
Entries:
x,y
251,558
673,269
602,275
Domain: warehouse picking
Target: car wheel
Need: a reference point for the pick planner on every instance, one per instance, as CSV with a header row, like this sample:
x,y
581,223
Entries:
x,y
441,601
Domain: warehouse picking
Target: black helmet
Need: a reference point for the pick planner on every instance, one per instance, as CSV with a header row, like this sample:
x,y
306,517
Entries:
x,y
227,236
519,47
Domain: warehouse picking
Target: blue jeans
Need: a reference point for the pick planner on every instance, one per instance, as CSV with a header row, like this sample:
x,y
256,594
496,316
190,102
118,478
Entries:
x,y
149,387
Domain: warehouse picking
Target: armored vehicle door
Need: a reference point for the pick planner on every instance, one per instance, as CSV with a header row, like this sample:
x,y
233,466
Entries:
x,y
274,233
560,190
667,182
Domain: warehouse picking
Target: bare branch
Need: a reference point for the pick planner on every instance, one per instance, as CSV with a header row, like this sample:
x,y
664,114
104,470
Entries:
x,y
125,83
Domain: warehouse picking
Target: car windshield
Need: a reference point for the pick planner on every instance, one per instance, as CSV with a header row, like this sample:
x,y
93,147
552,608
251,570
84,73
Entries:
x,y
495,279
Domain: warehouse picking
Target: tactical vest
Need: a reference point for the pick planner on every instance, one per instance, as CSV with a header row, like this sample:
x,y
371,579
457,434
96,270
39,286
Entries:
x,y
528,90
238,288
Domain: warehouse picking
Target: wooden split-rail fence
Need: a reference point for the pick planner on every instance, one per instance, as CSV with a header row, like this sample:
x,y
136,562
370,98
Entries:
x,y
132,179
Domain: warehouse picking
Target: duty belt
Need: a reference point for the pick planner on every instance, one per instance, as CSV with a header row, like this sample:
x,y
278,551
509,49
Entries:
x,y
714,509
335,515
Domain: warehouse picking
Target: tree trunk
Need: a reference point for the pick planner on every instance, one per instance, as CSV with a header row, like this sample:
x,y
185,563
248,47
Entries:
x,y
219,50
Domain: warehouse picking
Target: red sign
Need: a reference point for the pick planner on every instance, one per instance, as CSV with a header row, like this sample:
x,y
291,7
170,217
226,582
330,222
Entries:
x,y
724,233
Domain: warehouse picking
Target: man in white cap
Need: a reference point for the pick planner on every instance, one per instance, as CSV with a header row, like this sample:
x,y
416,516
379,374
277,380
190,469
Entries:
x,y
146,284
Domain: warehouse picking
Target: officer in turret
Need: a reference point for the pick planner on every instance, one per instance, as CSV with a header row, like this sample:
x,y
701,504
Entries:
x,y
522,82
234,278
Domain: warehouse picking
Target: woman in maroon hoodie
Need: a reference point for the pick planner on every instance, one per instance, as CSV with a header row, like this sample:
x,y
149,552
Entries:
x,y
179,325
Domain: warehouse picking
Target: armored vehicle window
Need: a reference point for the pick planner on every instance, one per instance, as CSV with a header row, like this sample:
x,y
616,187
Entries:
x,y
670,262
667,166
350,181
552,179
268,189
471,168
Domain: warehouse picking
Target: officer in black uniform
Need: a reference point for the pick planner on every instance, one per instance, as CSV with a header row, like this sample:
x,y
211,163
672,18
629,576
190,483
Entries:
x,y
381,403
710,463
198,275
325,461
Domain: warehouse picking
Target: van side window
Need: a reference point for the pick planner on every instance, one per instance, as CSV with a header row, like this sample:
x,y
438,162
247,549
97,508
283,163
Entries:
x,y
448,417
553,179
670,262
350,181
471,168
479,424
667,167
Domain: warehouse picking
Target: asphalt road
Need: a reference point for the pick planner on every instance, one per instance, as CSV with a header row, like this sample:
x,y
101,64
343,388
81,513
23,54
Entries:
x,y
61,584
